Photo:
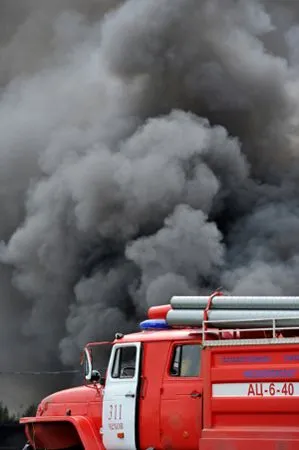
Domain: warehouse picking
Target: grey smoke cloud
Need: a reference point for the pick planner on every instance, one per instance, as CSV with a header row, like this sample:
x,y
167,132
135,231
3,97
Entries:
x,y
178,249
146,149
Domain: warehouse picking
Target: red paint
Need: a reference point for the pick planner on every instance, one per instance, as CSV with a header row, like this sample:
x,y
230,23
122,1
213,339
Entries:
x,y
46,431
180,413
158,312
208,307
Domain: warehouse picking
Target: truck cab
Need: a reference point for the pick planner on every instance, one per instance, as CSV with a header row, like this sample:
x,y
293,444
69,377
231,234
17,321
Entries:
x,y
153,392
179,387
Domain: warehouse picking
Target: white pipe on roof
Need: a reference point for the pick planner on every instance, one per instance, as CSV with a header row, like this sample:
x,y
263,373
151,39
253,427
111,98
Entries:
x,y
235,302
234,318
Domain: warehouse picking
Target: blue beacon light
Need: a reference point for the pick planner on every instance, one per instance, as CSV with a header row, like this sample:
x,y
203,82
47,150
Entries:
x,y
154,324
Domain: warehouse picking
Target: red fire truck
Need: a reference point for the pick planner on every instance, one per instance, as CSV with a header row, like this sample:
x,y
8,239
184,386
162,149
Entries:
x,y
203,373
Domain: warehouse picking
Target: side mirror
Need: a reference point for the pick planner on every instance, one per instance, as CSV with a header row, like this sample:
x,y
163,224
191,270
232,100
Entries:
x,y
95,376
102,381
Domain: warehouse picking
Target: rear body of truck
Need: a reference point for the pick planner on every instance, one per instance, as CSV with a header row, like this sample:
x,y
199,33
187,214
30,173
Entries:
x,y
251,396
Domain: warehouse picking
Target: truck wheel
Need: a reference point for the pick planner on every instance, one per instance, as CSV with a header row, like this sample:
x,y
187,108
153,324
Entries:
x,y
27,446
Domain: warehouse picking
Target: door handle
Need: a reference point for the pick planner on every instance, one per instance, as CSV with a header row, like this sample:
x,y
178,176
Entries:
x,y
195,394
130,394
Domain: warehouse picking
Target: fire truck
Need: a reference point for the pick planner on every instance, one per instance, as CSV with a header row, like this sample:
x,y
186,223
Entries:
x,y
215,372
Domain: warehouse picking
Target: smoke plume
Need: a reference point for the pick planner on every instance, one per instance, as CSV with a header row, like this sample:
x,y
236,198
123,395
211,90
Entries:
x,y
146,149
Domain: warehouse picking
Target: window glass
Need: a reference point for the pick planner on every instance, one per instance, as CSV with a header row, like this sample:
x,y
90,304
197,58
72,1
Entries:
x,y
124,363
116,364
186,360
100,355
175,366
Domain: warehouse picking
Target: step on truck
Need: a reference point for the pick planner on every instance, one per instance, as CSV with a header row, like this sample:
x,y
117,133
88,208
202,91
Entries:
x,y
203,373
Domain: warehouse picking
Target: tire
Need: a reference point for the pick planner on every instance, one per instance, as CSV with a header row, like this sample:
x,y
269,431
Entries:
x,y
27,446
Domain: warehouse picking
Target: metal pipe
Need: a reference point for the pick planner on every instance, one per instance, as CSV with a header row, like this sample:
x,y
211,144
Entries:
x,y
236,302
234,318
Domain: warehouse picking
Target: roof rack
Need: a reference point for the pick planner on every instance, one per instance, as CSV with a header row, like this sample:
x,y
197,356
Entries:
x,y
239,320
273,335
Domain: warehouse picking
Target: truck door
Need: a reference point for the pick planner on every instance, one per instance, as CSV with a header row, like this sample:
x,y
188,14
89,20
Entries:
x,y
181,399
120,397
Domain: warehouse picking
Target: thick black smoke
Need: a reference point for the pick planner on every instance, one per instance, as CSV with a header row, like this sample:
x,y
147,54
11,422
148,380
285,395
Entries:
x,y
146,149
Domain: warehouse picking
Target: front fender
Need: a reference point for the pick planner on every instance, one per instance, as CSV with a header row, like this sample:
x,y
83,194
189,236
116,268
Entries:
x,y
55,432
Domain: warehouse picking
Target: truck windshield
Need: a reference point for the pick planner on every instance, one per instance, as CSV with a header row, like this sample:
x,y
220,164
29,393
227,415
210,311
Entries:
x,y
100,357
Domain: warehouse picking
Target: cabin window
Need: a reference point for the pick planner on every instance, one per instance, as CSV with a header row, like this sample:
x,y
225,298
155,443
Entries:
x,y
124,363
185,360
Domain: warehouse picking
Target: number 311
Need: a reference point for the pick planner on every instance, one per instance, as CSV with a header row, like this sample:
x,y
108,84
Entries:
x,y
115,412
